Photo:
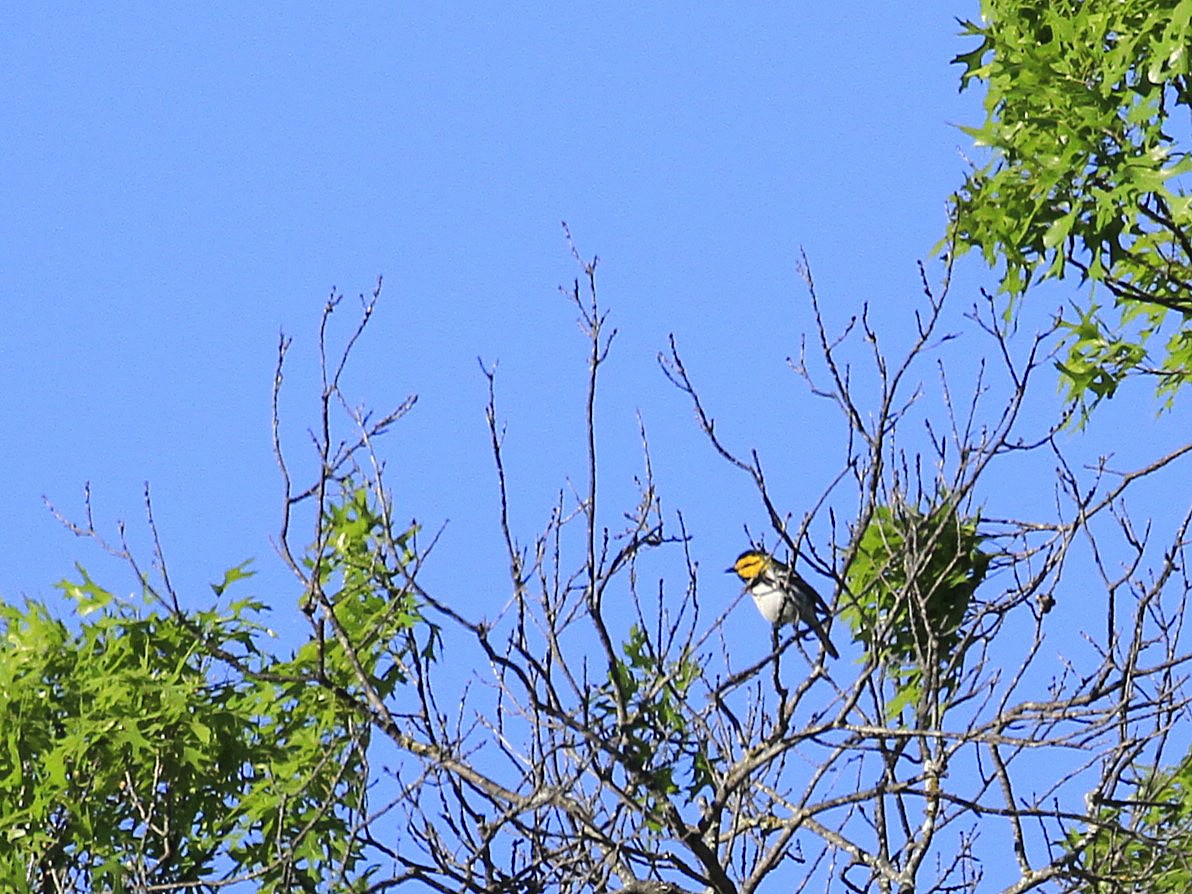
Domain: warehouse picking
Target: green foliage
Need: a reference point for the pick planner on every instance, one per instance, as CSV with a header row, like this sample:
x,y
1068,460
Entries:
x,y
1098,358
1086,172
1143,844
118,746
361,573
913,579
143,748
657,739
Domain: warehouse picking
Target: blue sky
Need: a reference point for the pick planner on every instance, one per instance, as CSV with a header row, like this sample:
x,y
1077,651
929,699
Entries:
x,y
186,184
181,183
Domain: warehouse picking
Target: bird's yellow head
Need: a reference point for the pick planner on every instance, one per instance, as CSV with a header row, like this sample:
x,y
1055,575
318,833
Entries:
x,y
750,564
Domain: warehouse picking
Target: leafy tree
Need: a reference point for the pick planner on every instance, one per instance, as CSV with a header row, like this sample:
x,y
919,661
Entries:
x,y
148,750
1087,105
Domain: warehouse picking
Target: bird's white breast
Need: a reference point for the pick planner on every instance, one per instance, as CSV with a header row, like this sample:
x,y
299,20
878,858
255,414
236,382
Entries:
x,y
771,602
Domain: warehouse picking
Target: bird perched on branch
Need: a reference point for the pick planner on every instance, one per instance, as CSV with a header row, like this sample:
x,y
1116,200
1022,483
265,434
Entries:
x,y
781,595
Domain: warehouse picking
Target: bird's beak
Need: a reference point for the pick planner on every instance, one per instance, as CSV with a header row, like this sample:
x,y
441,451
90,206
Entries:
x,y
730,569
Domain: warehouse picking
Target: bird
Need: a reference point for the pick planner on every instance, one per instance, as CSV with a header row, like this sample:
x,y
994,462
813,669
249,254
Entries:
x,y
781,595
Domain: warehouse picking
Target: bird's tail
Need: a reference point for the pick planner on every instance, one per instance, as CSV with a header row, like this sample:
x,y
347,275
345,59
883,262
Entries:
x,y
818,627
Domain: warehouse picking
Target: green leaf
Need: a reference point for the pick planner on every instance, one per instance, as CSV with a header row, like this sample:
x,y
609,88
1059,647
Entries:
x,y
89,596
233,574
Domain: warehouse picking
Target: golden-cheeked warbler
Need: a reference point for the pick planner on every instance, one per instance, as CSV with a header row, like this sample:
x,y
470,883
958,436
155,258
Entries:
x,y
781,595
